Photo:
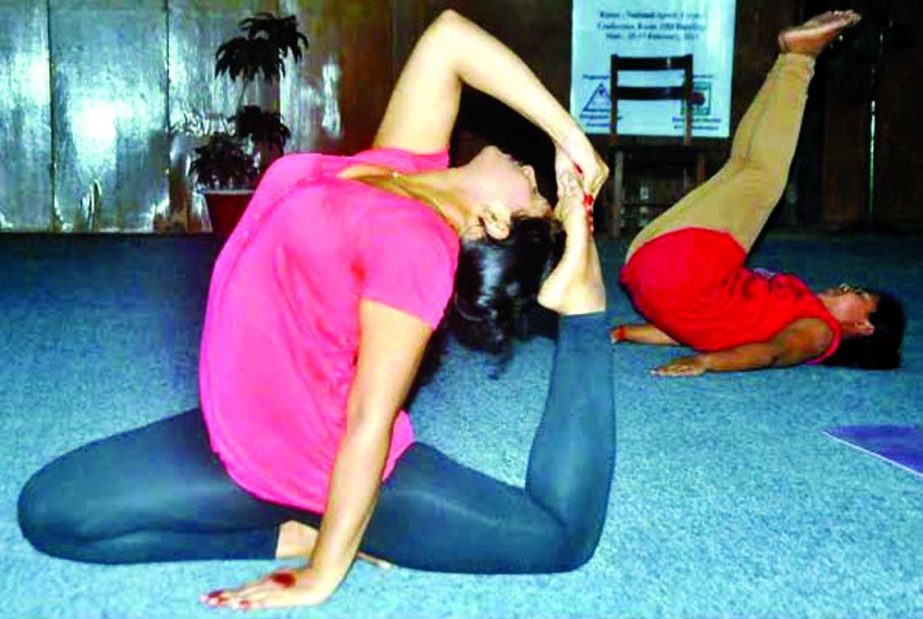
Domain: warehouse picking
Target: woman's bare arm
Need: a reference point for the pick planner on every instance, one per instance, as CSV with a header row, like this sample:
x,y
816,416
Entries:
x,y
391,346
801,341
454,51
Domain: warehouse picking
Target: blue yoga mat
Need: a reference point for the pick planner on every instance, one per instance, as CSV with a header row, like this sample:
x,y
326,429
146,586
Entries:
x,y
899,445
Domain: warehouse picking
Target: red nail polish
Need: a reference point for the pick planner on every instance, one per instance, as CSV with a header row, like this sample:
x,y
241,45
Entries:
x,y
283,579
579,169
214,594
588,199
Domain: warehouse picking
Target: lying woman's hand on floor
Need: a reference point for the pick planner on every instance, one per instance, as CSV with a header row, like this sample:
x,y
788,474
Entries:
x,y
291,587
684,366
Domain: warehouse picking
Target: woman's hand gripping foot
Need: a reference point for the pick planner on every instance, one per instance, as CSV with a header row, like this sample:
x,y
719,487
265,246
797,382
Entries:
x,y
576,284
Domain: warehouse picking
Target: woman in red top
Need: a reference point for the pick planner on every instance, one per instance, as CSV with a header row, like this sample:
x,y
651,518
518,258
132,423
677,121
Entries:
x,y
320,308
685,270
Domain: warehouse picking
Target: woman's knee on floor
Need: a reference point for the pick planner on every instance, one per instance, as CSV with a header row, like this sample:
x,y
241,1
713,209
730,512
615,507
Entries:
x,y
573,550
52,522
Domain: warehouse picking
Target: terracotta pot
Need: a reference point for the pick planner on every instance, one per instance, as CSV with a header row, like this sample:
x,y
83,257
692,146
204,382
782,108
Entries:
x,y
225,208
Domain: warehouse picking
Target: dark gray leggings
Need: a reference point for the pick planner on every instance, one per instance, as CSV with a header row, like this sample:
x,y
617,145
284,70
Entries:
x,y
158,493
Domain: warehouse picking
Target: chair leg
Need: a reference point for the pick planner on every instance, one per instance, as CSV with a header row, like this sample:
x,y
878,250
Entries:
x,y
618,196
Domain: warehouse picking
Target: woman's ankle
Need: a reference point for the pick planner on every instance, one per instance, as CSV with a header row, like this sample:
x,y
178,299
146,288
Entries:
x,y
295,540
576,285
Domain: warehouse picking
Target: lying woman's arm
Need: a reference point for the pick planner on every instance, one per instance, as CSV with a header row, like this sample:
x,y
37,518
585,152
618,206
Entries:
x,y
801,341
454,51
643,333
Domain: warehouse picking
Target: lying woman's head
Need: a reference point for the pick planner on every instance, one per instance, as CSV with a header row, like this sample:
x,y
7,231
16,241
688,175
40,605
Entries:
x,y
873,327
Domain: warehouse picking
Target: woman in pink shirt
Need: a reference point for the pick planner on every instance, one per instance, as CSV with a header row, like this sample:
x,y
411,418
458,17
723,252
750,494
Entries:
x,y
320,308
685,270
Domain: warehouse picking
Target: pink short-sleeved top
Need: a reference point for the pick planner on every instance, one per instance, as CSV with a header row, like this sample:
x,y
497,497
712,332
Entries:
x,y
281,332
692,284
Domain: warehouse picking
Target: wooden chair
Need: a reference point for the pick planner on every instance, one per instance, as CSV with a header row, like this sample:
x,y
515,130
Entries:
x,y
667,162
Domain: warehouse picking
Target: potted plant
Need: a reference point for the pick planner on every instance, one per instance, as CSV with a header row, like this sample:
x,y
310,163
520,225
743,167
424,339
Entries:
x,y
229,164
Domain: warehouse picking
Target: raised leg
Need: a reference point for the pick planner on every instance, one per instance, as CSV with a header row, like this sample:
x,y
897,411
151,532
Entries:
x,y
740,198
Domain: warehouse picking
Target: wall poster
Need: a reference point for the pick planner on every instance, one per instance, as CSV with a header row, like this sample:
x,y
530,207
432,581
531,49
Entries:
x,y
704,28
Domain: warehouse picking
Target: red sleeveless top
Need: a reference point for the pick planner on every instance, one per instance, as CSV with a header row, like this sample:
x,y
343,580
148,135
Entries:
x,y
692,285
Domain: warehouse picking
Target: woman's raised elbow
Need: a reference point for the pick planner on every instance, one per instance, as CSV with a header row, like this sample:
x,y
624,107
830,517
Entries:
x,y
448,17
447,24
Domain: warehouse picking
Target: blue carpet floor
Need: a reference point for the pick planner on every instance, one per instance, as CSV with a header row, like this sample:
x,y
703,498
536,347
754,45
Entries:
x,y
728,500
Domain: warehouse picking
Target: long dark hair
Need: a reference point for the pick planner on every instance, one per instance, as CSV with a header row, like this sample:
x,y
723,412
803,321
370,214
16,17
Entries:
x,y
497,280
496,285
880,350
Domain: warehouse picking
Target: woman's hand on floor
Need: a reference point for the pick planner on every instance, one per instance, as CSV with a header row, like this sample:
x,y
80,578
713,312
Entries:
x,y
280,589
684,366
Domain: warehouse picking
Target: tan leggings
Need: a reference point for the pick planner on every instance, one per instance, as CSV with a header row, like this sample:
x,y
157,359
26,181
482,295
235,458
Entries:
x,y
741,196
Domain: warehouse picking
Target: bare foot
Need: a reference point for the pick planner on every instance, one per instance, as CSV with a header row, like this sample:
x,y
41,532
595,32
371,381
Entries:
x,y
296,541
575,286
811,37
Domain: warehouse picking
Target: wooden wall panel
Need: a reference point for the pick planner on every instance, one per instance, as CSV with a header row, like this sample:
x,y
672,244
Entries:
x,y
846,159
899,162
337,99
898,200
